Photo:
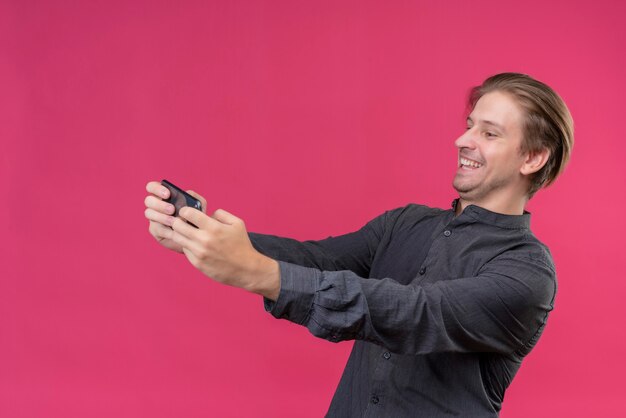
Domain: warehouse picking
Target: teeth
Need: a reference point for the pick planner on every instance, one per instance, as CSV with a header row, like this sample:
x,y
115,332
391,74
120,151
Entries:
x,y
471,163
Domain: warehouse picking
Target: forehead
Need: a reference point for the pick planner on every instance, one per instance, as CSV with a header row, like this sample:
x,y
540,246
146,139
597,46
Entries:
x,y
500,108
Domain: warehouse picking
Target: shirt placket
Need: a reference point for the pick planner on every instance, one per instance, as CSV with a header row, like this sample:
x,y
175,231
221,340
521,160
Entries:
x,y
376,404
442,231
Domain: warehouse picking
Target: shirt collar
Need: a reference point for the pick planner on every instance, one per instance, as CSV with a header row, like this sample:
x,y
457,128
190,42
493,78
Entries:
x,y
494,218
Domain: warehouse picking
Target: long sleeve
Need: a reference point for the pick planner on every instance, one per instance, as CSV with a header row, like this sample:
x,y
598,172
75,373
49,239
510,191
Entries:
x,y
502,309
443,306
354,251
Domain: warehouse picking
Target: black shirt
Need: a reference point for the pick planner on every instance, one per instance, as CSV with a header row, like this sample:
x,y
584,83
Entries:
x,y
443,308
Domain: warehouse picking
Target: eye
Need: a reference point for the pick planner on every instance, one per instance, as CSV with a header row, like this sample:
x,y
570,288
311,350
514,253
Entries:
x,y
490,134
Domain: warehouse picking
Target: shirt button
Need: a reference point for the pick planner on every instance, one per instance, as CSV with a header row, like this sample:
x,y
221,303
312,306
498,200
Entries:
x,y
386,355
422,270
375,399
447,233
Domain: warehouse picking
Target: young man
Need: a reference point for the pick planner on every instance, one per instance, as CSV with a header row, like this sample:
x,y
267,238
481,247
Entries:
x,y
443,304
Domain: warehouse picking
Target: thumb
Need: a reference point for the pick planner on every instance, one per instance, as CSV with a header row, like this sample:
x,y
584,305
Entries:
x,y
225,217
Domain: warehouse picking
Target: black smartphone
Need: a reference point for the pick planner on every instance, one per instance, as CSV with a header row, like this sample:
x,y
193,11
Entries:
x,y
180,198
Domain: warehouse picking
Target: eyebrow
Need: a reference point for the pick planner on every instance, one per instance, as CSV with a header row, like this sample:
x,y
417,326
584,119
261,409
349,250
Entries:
x,y
488,122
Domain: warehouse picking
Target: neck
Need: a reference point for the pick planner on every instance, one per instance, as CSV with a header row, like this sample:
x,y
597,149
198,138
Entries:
x,y
506,205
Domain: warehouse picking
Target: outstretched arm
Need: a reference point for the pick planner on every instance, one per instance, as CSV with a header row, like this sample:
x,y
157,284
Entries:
x,y
354,251
502,309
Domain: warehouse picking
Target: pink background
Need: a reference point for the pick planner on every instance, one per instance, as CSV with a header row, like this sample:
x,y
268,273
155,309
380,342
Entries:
x,y
306,119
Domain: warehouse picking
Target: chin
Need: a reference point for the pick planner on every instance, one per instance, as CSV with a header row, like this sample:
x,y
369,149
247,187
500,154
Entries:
x,y
468,192
462,188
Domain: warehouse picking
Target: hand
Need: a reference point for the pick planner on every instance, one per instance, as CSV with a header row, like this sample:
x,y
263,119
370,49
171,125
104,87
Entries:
x,y
221,249
160,213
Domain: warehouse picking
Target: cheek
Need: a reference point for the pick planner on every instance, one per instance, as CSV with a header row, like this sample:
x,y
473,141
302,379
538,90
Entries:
x,y
509,161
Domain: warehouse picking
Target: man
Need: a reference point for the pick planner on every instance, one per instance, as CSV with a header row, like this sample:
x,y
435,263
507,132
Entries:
x,y
443,304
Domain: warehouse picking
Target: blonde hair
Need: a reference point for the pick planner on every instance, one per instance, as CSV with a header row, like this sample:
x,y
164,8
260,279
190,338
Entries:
x,y
548,123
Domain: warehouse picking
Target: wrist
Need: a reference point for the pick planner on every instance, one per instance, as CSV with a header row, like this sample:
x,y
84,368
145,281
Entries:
x,y
264,278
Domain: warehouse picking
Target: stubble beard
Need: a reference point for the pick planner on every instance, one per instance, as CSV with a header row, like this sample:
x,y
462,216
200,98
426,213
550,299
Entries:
x,y
477,191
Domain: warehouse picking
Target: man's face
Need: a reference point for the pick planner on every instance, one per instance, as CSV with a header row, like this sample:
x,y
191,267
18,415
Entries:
x,y
489,151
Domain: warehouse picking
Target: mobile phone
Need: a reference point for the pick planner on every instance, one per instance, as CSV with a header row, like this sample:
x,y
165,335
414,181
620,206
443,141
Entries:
x,y
180,198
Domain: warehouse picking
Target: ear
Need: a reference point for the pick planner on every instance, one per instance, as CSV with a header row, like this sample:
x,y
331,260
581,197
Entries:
x,y
535,160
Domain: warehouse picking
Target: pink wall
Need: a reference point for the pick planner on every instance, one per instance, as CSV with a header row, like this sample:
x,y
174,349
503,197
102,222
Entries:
x,y
306,119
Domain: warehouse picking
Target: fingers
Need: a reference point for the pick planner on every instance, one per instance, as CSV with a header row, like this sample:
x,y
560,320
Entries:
x,y
154,203
179,225
165,235
158,189
156,216
200,219
184,234
159,231
191,257
225,217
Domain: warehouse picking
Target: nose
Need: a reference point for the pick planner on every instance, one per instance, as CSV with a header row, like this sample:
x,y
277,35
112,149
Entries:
x,y
466,140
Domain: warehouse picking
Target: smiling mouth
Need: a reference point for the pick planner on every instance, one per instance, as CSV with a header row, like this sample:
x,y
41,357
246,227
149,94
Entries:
x,y
466,163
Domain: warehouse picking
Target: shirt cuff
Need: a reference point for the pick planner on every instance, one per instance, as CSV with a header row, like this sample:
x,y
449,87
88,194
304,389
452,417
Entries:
x,y
297,290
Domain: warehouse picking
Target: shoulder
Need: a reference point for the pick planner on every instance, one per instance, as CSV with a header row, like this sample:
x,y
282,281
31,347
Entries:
x,y
534,250
528,263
